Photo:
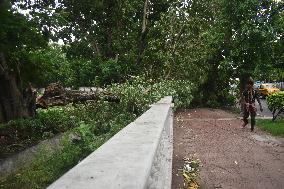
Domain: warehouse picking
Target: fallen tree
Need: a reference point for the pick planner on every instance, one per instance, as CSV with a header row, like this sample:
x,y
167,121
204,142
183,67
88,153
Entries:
x,y
56,95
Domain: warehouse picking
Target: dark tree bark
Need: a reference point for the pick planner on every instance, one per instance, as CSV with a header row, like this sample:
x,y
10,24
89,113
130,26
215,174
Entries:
x,y
109,24
144,32
56,95
243,81
210,86
14,102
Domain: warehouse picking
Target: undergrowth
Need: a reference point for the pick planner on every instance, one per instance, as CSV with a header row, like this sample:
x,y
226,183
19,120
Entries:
x,y
86,127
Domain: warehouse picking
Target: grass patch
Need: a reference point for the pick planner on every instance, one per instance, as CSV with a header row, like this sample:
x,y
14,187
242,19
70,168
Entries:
x,y
49,166
276,127
97,122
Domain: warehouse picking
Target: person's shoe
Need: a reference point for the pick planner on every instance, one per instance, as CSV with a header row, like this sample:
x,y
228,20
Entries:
x,y
244,125
251,130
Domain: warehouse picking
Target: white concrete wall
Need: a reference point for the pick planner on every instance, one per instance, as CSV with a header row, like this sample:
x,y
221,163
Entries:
x,y
137,157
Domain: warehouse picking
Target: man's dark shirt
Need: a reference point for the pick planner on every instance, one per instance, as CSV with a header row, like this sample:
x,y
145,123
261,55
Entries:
x,y
250,96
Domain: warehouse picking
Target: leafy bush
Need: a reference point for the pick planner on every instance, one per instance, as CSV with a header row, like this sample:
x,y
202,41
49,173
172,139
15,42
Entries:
x,y
110,71
138,93
18,134
225,98
89,126
276,103
49,65
54,64
47,167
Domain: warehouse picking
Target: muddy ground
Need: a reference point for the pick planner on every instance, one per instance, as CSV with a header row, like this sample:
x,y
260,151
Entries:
x,y
231,157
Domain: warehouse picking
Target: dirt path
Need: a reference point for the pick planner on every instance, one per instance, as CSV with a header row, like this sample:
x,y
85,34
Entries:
x,y
231,157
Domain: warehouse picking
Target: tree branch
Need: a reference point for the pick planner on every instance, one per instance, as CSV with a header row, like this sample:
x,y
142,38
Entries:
x,y
3,64
145,17
141,45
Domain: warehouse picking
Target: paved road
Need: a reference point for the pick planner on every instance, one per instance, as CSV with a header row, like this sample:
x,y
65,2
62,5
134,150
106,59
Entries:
x,y
231,157
266,112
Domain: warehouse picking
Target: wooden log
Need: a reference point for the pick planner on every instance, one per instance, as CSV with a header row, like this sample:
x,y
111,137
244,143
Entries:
x,y
56,95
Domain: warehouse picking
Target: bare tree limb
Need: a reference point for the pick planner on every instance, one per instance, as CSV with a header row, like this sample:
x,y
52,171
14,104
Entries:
x,y
145,17
141,46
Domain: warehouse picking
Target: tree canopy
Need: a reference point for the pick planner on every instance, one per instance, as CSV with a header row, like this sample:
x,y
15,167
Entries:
x,y
208,42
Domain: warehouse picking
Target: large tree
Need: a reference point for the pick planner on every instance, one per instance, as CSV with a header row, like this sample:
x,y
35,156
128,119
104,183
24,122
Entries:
x,y
175,47
112,34
17,38
242,40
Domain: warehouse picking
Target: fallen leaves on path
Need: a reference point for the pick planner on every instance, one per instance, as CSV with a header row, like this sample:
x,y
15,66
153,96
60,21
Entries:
x,y
190,173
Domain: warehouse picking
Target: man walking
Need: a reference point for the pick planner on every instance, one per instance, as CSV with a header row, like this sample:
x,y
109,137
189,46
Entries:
x,y
249,97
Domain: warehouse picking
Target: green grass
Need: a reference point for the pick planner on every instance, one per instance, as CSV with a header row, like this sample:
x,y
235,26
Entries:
x,y
276,127
95,123
49,166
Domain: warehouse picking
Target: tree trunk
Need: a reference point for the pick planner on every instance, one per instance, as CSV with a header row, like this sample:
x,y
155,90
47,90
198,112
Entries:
x,y
109,24
142,41
210,87
56,95
243,81
14,102
96,48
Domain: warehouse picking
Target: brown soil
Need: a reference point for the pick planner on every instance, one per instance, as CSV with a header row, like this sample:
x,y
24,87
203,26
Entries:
x,y
231,157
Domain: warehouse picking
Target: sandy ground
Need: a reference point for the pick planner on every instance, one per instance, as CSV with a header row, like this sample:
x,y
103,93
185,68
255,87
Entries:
x,y
231,157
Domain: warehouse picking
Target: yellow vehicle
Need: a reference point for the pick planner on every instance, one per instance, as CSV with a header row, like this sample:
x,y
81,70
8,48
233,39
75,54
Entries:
x,y
266,89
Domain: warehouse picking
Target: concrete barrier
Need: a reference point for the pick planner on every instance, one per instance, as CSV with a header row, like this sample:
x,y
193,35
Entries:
x,y
139,156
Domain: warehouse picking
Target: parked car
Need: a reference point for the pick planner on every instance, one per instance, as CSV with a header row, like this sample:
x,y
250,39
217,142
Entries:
x,y
257,84
266,89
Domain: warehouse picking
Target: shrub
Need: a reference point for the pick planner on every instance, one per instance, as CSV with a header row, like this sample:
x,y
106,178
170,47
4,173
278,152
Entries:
x,y
90,125
276,103
138,93
21,133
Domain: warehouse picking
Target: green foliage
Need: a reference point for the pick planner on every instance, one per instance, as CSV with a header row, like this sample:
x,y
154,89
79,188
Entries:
x,y
205,42
104,38
18,134
138,93
47,167
276,100
240,43
51,65
110,71
178,52
276,103
18,36
16,33
88,126
276,127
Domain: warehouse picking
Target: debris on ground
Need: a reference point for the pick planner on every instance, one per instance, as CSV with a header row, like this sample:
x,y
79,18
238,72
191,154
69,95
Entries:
x,y
190,173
